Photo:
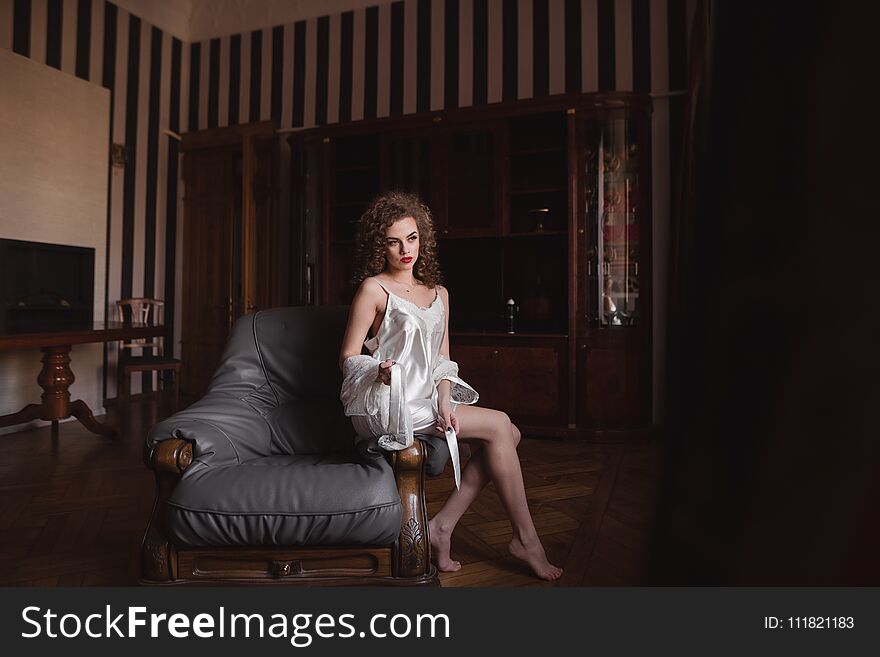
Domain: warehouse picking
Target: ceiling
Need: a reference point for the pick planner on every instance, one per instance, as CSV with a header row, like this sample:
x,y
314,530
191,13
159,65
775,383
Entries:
x,y
197,20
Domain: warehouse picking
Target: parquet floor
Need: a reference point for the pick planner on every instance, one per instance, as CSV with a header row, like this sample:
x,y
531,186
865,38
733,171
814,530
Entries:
x,y
592,506
73,509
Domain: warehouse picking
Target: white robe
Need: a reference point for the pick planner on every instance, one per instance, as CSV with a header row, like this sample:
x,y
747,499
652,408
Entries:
x,y
361,394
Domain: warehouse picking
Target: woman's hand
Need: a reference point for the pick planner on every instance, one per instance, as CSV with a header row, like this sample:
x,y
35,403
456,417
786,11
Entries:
x,y
384,373
447,417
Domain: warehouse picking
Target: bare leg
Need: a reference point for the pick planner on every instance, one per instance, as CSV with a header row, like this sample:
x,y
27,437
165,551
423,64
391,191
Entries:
x,y
501,463
474,478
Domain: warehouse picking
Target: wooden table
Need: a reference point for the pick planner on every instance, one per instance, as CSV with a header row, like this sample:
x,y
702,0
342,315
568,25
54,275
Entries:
x,y
56,376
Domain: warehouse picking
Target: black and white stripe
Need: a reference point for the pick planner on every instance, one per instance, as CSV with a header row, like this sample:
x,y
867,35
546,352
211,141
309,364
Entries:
x,y
53,33
346,65
234,95
299,73
195,68
322,53
83,31
256,75
450,53
371,64
277,62
213,105
21,35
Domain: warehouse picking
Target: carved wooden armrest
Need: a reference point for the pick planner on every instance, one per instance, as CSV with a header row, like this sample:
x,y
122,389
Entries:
x,y
412,554
171,457
168,459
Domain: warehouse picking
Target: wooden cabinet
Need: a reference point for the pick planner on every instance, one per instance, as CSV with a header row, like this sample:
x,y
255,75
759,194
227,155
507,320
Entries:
x,y
473,181
614,310
234,258
211,211
542,203
532,371
611,387
409,158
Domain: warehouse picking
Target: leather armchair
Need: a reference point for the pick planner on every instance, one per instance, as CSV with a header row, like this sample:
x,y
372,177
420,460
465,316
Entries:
x,y
261,480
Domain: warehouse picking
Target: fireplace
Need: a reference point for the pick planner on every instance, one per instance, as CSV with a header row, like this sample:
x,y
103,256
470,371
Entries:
x,y
45,287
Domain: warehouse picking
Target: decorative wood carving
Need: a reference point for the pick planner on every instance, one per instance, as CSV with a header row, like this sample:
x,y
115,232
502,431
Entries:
x,y
413,544
412,548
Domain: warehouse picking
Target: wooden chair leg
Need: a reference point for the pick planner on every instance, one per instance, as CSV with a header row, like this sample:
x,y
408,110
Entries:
x,y
126,384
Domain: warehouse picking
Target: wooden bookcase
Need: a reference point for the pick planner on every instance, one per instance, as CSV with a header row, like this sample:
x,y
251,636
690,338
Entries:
x,y
545,202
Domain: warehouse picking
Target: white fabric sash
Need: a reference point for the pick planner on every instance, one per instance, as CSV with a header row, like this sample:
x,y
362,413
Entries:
x,y
362,395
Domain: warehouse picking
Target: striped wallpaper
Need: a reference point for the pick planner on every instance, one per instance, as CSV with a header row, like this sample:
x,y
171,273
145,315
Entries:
x,y
386,60
426,55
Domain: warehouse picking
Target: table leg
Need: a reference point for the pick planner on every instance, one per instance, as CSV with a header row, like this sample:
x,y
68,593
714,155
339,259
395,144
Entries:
x,y
55,379
80,410
28,413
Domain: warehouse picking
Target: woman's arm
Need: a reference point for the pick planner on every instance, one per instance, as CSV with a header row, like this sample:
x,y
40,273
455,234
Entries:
x,y
446,375
444,346
364,308
444,387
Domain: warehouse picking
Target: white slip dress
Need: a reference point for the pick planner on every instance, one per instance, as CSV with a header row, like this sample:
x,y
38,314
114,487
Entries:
x,y
412,336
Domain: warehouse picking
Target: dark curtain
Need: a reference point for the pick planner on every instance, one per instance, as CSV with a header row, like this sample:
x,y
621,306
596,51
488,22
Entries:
x,y
771,440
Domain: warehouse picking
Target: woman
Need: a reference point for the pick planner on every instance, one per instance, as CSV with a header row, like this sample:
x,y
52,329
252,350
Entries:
x,y
409,384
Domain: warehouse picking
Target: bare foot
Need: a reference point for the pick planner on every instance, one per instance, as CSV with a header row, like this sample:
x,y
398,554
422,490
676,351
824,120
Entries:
x,y
440,549
533,554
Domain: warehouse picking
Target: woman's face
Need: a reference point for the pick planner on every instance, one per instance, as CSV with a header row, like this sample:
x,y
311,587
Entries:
x,y
402,244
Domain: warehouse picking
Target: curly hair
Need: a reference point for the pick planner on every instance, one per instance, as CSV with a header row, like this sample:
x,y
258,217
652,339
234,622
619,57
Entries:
x,y
371,247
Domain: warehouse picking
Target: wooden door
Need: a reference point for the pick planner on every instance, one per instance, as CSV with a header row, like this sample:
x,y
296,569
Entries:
x,y
473,171
308,219
266,278
211,266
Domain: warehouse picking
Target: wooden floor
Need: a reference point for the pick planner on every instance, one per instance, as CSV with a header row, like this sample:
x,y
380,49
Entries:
x,y
592,505
73,509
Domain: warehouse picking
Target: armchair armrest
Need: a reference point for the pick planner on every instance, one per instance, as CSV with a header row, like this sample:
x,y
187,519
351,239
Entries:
x,y
222,429
168,459
412,552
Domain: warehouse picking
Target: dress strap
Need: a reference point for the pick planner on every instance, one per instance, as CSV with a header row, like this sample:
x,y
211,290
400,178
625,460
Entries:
x,y
373,343
388,292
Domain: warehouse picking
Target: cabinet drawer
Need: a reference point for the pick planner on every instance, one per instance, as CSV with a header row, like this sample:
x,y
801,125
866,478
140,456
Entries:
x,y
278,563
523,381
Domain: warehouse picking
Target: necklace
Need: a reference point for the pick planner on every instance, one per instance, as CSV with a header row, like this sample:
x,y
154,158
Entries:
x,y
405,285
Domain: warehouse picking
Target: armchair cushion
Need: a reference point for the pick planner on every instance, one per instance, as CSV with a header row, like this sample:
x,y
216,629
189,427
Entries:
x,y
287,500
437,454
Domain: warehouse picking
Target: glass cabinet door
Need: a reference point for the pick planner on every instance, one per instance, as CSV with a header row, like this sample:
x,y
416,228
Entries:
x,y
307,212
471,203
355,181
408,165
610,195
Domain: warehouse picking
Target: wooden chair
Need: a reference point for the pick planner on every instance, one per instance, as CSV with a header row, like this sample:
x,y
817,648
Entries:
x,y
144,311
